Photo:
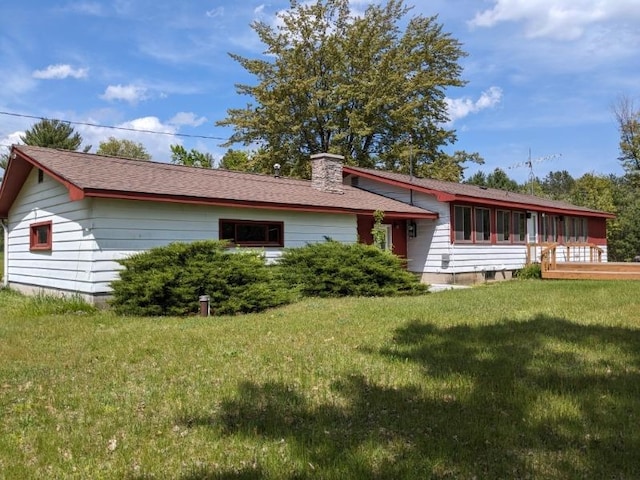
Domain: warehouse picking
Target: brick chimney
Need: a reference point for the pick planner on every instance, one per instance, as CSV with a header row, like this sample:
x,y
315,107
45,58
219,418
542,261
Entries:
x,y
326,172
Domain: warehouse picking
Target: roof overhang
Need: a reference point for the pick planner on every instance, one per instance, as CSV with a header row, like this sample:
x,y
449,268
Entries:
x,y
450,198
18,169
440,196
20,165
221,202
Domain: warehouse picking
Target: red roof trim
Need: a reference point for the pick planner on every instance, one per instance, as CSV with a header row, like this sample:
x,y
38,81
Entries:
x,y
20,166
18,170
449,197
528,206
244,203
440,196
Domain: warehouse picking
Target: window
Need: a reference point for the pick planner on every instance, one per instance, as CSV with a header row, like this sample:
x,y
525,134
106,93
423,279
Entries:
x,y
462,223
519,227
40,236
582,235
549,228
503,226
483,224
576,229
252,234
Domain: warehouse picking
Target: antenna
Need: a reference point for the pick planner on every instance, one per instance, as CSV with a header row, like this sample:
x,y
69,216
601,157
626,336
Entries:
x,y
529,164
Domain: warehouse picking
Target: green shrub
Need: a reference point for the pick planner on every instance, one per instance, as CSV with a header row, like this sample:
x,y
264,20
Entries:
x,y
169,281
334,269
531,271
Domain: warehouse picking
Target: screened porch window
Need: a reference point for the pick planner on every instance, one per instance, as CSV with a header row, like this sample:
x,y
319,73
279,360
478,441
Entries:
x,y
462,223
576,229
483,224
519,227
503,226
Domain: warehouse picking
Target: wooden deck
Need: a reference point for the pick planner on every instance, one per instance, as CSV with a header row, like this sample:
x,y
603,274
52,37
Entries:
x,y
593,271
585,263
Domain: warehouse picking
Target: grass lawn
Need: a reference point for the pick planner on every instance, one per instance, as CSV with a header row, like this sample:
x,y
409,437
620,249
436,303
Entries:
x,y
530,379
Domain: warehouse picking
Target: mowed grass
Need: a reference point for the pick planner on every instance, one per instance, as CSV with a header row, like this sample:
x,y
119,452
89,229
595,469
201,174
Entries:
x,y
525,379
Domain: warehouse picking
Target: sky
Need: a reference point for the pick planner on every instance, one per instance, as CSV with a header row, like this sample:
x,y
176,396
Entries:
x,y
542,75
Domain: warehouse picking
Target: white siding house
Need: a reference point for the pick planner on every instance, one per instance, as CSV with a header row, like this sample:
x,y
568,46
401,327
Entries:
x,y
436,253
92,211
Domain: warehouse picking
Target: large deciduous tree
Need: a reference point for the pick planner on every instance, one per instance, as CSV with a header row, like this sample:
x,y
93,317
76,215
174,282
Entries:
x,y
54,134
370,87
628,119
123,148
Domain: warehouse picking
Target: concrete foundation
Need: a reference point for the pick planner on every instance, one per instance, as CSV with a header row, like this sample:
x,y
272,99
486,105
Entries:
x,y
99,300
467,278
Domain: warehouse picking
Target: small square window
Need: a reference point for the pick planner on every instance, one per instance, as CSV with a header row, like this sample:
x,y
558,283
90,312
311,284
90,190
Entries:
x,y
40,236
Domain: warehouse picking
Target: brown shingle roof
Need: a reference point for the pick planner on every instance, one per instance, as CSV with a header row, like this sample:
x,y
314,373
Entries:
x,y
90,175
460,192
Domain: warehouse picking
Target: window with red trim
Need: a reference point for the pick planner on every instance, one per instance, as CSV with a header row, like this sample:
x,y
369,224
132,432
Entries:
x,y
462,223
40,237
519,227
483,224
252,233
503,226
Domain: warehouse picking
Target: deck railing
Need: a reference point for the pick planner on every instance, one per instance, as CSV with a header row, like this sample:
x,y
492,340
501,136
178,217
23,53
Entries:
x,y
548,254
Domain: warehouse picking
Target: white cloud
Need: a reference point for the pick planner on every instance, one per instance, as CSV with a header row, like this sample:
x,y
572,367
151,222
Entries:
x,y
215,12
187,118
85,8
60,71
152,124
10,139
461,107
128,93
558,19
155,135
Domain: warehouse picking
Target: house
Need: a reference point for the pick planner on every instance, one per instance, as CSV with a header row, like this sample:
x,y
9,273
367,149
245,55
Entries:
x,y
483,233
68,217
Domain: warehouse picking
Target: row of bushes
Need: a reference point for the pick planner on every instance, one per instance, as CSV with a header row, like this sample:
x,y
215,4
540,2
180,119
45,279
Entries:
x,y
169,280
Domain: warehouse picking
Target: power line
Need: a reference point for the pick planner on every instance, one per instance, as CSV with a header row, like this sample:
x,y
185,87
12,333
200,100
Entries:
x,y
86,124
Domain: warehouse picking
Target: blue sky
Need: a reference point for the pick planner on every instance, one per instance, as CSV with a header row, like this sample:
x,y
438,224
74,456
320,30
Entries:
x,y
542,74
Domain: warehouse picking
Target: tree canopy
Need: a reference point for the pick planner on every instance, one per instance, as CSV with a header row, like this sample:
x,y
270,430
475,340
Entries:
x,y
123,148
54,134
191,158
360,86
239,160
496,179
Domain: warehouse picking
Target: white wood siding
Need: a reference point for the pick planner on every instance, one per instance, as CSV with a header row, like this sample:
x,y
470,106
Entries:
x,y
89,236
68,266
431,251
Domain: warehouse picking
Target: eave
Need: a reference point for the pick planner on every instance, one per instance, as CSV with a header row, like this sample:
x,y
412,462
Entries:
x,y
21,164
221,202
440,195
451,198
530,206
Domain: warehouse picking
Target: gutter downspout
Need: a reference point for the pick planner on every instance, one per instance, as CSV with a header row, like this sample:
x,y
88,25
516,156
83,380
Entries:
x,y
5,276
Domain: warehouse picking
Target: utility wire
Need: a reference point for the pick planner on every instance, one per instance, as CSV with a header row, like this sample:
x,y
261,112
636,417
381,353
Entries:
x,y
86,124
